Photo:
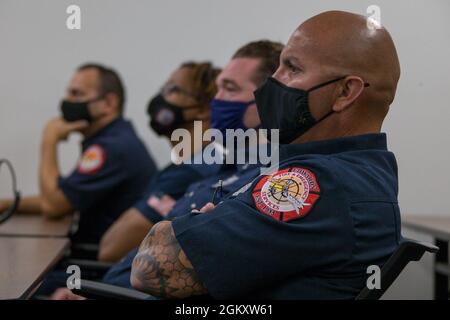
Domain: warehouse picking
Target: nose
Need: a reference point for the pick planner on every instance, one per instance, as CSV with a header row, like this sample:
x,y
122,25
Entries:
x,y
220,95
280,75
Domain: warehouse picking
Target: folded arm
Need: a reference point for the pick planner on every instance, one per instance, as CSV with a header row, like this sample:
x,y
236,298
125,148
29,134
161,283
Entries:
x,y
162,269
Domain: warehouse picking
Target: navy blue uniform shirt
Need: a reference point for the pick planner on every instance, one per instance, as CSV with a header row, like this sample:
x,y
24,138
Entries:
x,y
309,230
212,190
111,175
173,180
197,195
119,274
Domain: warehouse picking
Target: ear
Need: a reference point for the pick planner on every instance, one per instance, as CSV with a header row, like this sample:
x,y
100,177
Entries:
x,y
112,101
350,90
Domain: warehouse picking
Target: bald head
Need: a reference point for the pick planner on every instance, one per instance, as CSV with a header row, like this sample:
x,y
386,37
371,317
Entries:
x,y
334,44
346,44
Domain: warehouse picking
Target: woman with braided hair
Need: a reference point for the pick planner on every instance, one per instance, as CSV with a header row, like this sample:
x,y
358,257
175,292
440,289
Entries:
x,y
183,99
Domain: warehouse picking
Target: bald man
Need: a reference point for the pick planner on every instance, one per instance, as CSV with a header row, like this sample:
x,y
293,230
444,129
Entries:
x,y
311,228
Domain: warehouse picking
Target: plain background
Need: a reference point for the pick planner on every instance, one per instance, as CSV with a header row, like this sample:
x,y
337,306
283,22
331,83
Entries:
x,y
146,40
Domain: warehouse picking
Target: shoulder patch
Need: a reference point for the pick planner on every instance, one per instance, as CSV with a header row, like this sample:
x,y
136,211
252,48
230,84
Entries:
x,y
92,160
287,194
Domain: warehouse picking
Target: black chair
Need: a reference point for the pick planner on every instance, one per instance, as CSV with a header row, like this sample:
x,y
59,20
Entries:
x,y
85,251
100,291
90,269
84,255
407,251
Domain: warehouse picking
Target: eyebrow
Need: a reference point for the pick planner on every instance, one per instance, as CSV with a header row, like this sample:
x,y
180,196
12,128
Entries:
x,y
292,59
230,82
180,88
74,91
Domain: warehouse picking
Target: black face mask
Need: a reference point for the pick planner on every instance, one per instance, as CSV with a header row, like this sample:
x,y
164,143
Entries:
x,y
166,117
287,109
75,111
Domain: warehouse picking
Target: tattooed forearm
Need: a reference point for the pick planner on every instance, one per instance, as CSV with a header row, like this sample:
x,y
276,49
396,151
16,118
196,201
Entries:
x,y
162,269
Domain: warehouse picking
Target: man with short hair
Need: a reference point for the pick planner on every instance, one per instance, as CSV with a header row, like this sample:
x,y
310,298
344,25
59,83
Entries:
x,y
232,108
114,167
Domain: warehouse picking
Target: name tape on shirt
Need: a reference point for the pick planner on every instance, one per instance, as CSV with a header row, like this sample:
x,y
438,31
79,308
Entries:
x,y
92,160
287,194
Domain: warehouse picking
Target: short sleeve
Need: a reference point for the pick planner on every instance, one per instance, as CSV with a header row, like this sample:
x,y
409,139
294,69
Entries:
x,y
98,172
242,246
148,212
174,181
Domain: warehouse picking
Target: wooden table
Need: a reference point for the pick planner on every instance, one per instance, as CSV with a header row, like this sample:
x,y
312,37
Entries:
x,y
24,261
26,225
439,228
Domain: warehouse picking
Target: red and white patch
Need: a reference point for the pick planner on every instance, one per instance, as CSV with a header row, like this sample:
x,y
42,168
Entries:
x,y
287,194
92,160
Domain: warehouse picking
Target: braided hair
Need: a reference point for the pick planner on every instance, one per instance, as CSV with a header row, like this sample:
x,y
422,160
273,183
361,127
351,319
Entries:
x,y
203,80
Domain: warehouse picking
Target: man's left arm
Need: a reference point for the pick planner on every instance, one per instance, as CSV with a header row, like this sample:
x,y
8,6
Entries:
x,y
162,269
53,201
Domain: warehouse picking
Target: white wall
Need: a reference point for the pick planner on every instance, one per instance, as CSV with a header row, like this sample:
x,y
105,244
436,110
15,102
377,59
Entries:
x,y
146,40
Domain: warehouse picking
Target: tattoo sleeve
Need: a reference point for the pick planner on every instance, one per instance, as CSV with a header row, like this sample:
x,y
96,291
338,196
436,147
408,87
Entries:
x,y
161,267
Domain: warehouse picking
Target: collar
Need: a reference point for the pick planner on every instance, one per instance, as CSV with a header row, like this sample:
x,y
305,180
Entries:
x,y
374,141
108,128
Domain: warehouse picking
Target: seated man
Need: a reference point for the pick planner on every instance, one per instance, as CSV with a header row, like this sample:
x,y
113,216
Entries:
x,y
114,167
311,228
250,66
232,108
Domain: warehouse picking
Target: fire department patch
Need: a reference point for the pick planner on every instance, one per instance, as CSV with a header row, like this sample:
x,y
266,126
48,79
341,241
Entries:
x,y
92,160
287,194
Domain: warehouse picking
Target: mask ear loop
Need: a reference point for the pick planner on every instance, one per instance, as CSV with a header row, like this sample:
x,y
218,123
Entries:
x,y
325,84
366,84
9,212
